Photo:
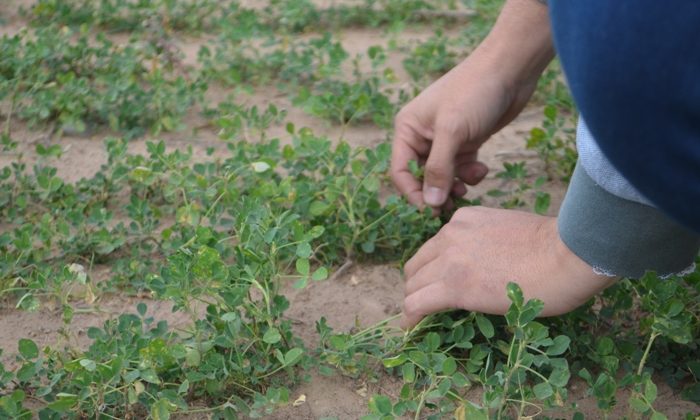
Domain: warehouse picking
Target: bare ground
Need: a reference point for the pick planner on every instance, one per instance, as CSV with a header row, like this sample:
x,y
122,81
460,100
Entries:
x,y
362,296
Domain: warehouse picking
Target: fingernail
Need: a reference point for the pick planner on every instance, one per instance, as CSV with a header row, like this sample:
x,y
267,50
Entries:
x,y
481,172
434,196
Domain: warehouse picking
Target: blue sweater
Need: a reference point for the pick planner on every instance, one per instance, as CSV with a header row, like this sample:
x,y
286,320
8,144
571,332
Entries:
x,y
634,71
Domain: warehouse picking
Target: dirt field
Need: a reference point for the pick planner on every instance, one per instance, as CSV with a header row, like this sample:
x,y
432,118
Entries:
x,y
363,295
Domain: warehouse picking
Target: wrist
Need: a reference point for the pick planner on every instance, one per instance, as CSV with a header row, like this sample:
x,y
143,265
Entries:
x,y
519,46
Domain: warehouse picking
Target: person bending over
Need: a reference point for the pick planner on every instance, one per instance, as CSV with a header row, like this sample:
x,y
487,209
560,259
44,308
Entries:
x,y
633,203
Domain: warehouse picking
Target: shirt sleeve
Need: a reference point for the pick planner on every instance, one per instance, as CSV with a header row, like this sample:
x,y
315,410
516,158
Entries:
x,y
621,237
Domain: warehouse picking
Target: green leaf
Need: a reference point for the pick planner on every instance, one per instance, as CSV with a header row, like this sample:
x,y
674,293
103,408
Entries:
x,y
320,274
28,349
208,265
193,357
419,358
149,375
515,294
432,341
543,390
272,336
27,372
260,167
460,380
293,356
88,364
304,250
140,174
485,326
449,366
316,232
184,387
444,387
559,345
408,371
530,311
560,377
638,405
650,391
161,409
318,208
605,346
658,416
188,215
542,203
303,266
229,317
380,404
470,411
371,184
63,402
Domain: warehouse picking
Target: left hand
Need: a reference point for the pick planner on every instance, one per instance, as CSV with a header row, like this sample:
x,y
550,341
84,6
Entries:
x,y
468,264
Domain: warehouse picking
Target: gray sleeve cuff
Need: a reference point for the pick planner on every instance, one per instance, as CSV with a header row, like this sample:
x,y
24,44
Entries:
x,y
621,237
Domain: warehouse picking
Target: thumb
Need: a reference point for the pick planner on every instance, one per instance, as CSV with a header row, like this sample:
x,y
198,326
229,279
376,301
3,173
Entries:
x,y
439,171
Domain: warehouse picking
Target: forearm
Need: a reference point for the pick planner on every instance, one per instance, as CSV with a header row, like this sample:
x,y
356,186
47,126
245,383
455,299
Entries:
x,y
519,46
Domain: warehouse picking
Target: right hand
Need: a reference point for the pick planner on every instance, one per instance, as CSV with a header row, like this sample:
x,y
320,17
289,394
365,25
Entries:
x,y
444,126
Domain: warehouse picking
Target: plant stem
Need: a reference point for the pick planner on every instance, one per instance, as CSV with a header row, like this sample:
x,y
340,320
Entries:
x,y
643,361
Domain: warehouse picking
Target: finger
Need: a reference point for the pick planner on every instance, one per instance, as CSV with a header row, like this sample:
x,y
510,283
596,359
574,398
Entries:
x,y
439,169
458,189
429,273
472,172
402,177
432,298
428,252
449,205
408,145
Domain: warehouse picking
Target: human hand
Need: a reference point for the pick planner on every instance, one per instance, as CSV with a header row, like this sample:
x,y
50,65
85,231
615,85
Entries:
x,y
468,264
445,125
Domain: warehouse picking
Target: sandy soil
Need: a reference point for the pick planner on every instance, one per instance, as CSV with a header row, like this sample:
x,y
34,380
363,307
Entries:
x,y
364,295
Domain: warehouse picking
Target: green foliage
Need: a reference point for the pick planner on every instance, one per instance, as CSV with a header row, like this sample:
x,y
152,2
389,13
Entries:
x,y
446,354
57,75
555,142
126,15
248,123
517,189
218,237
344,103
237,228
430,59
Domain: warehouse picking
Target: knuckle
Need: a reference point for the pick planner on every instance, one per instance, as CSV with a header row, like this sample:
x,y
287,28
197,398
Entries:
x,y
410,307
466,213
409,268
451,235
402,118
436,171
443,234
449,125
461,214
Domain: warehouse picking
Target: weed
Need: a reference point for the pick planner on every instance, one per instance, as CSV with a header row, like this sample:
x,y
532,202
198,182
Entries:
x,y
219,237
430,59
63,77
